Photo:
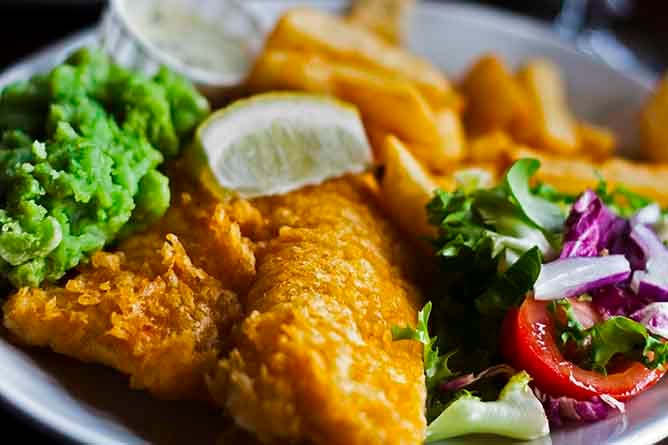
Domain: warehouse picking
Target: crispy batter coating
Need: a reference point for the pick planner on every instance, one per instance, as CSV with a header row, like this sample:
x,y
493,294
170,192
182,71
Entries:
x,y
161,307
212,235
314,359
155,317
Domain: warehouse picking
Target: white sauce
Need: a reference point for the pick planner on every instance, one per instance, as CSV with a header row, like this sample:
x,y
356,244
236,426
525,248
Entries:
x,y
198,42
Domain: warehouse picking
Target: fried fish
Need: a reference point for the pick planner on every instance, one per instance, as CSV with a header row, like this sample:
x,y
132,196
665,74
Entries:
x,y
314,360
160,307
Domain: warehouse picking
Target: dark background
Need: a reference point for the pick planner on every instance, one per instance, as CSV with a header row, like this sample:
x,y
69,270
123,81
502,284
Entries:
x,y
28,25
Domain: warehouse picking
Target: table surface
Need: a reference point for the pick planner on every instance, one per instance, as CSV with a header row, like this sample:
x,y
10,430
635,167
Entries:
x,y
50,20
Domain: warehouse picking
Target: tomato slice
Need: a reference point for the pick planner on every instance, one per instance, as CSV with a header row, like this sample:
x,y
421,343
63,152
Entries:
x,y
529,343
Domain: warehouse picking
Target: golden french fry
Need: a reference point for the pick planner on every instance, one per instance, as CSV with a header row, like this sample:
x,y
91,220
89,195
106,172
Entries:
x,y
451,147
393,104
654,124
446,182
290,70
645,179
494,146
313,31
595,141
453,137
438,157
406,189
386,18
554,128
573,175
376,136
494,98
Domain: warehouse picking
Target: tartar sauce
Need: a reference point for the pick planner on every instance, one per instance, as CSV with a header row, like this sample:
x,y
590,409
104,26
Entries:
x,y
201,44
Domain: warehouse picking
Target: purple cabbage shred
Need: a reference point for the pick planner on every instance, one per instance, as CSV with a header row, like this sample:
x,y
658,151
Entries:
x,y
616,300
561,410
590,227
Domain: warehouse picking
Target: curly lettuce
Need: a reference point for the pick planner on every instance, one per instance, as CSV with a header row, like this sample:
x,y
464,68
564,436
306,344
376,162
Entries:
x,y
517,414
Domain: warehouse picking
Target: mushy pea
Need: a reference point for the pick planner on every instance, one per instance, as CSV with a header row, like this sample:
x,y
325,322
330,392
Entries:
x,y
79,151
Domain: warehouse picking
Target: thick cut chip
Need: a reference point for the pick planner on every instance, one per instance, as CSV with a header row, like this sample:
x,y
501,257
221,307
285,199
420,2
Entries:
x,y
643,178
376,136
292,70
567,174
573,175
391,103
553,127
314,360
406,189
387,18
451,147
597,142
436,158
654,124
495,100
312,31
494,146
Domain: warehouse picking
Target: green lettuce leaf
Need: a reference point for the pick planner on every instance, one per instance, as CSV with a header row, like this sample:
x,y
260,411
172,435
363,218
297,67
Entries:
x,y
435,366
545,214
512,232
617,335
508,289
517,414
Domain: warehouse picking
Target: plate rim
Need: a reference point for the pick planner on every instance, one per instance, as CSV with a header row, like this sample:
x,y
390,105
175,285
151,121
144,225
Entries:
x,y
60,427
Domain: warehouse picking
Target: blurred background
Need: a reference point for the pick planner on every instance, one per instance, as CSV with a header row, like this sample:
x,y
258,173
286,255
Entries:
x,y
627,34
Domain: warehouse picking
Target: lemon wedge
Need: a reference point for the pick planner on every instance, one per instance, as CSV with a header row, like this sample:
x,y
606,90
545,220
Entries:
x,y
277,142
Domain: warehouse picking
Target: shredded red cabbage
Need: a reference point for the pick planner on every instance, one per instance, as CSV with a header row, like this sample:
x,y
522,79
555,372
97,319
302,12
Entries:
x,y
590,227
654,317
560,410
616,300
593,230
622,244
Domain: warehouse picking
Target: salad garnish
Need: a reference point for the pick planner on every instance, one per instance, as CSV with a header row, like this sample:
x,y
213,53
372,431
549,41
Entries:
x,y
618,335
532,279
435,366
545,214
560,410
517,413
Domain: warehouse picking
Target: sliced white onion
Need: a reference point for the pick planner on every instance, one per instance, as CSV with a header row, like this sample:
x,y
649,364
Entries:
x,y
649,215
647,286
654,317
568,277
652,283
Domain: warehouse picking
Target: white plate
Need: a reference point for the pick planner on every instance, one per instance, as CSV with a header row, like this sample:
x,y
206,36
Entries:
x,y
93,405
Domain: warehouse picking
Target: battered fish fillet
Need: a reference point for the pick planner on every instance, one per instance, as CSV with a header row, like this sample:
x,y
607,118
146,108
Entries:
x,y
314,360
160,308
